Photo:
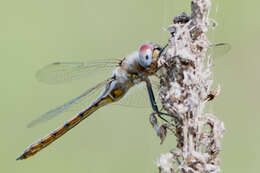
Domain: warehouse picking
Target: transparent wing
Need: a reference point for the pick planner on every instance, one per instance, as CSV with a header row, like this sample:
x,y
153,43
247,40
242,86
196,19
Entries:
x,y
73,106
219,49
137,96
62,72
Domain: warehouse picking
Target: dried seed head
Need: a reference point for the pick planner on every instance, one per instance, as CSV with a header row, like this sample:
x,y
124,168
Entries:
x,y
185,86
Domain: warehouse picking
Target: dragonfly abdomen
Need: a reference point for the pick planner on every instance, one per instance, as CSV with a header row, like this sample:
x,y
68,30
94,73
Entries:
x,y
51,137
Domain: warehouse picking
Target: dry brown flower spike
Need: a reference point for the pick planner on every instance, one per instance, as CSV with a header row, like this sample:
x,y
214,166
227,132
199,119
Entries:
x,y
185,87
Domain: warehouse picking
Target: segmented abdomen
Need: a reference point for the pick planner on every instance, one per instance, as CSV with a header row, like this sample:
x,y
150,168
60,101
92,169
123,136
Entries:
x,y
51,137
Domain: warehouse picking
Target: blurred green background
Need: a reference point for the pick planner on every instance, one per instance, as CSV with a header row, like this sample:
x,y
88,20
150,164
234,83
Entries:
x,y
116,139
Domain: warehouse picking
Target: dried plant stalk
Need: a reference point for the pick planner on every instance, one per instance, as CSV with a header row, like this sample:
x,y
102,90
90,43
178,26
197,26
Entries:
x,y
185,88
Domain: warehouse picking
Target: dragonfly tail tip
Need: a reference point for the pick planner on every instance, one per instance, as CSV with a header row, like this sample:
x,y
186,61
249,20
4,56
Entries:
x,y
21,157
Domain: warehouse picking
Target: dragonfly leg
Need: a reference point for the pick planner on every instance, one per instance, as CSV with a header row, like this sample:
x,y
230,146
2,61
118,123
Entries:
x,y
154,105
161,130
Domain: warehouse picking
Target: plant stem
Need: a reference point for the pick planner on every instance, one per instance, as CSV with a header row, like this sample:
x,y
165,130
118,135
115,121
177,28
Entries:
x,y
185,89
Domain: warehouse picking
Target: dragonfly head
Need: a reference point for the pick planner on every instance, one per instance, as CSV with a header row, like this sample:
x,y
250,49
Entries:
x,y
148,55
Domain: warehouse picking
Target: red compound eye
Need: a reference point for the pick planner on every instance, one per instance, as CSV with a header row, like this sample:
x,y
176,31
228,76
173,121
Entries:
x,y
145,47
145,55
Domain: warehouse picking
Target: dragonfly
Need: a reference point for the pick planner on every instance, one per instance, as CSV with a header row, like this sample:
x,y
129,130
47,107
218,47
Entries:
x,y
135,68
